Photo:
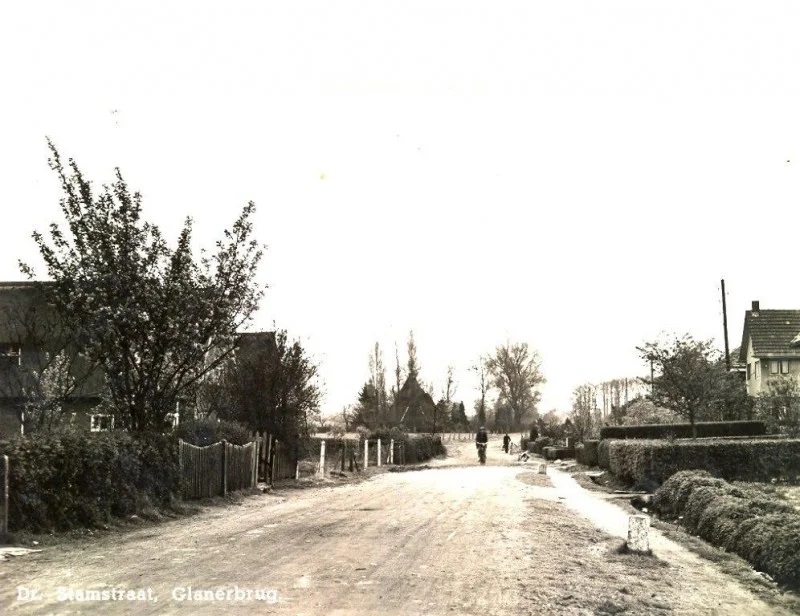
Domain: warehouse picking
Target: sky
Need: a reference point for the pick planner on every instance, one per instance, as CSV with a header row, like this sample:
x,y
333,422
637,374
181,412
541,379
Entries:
x,y
576,175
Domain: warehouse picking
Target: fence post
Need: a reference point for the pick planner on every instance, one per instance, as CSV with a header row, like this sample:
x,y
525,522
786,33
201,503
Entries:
x,y
274,452
391,451
379,452
366,453
4,527
321,470
224,467
297,470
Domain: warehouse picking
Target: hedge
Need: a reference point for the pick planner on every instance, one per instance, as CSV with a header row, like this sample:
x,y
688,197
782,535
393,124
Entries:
x,y
64,480
586,453
647,461
539,444
749,520
417,447
558,453
706,429
207,431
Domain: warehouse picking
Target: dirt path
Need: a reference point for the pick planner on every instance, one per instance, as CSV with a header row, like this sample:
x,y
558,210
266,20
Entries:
x,y
457,539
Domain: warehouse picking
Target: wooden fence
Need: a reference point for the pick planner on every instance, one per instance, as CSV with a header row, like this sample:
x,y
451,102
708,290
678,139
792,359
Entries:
x,y
217,469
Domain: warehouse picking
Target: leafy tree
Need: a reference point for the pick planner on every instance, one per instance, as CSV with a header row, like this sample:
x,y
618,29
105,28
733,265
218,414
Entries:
x,y
152,317
270,388
691,378
515,371
641,411
458,418
366,410
551,424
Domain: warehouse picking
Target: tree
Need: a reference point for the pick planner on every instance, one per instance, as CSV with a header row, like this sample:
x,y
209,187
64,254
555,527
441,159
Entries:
x,y
458,417
483,386
152,317
450,385
515,371
413,364
641,411
583,410
366,411
378,380
272,388
690,378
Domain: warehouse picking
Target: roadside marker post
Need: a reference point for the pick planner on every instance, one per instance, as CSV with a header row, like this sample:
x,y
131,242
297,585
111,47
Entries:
x,y
638,533
321,470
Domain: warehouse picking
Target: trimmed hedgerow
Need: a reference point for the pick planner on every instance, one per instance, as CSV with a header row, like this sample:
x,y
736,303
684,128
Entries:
x,y
750,520
417,447
558,453
539,444
74,479
586,452
639,461
705,429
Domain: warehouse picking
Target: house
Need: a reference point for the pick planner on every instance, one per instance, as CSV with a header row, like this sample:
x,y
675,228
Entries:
x,y
33,343
770,347
414,408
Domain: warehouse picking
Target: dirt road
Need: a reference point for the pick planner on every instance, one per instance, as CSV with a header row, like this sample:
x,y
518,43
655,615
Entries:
x,y
456,539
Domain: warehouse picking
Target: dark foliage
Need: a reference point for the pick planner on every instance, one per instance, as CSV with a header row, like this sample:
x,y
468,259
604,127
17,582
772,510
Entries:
x,y
709,429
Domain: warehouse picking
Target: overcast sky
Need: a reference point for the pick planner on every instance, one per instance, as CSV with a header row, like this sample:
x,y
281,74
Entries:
x,y
575,175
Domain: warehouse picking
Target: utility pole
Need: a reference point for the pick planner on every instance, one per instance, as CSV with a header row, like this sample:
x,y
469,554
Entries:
x,y
725,326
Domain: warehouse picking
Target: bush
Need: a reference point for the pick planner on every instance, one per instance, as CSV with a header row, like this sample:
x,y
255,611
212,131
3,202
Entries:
x,y
746,519
539,444
586,453
558,453
707,429
73,479
638,461
417,447
207,431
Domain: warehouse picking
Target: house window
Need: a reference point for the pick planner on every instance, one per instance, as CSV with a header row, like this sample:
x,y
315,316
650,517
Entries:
x,y
757,369
749,371
774,366
101,423
784,366
10,354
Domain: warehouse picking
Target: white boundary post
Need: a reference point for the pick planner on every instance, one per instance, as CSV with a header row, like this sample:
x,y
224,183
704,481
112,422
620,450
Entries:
x,y
321,470
366,453
638,529
379,452
391,451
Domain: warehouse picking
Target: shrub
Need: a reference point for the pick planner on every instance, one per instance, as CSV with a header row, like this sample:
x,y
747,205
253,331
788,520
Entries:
x,y
207,431
417,447
540,443
708,429
558,453
638,461
586,452
59,481
746,519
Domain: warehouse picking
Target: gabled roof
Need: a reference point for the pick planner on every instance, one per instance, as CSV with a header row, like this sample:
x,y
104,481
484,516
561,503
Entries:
x,y
772,333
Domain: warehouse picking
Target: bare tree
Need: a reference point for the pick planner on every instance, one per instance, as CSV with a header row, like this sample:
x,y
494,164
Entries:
x,y
516,374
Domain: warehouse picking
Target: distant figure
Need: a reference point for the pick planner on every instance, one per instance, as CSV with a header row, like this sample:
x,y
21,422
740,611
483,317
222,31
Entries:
x,y
506,441
534,433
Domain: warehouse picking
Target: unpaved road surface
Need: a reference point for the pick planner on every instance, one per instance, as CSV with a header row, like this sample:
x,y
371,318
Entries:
x,y
457,539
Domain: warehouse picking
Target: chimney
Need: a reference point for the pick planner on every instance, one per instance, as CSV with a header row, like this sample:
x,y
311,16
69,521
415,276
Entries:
x,y
756,308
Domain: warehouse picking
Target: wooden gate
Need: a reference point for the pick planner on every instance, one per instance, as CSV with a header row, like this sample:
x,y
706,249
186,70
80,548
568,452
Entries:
x,y
217,469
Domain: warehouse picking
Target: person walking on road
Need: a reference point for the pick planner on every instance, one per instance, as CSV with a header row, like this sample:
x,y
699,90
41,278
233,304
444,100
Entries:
x,y
506,441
